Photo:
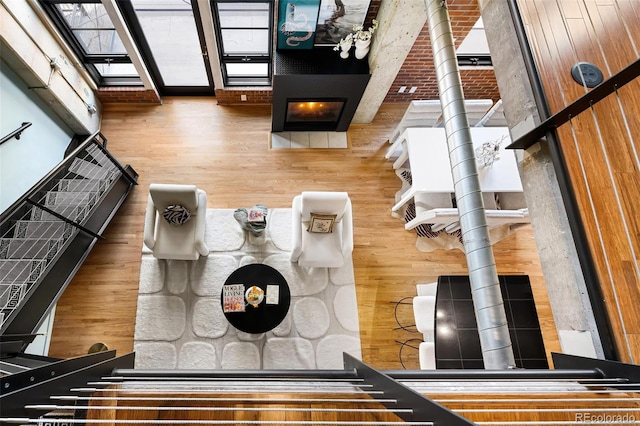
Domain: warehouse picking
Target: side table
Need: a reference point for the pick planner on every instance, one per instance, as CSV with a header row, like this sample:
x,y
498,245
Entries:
x,y
265,316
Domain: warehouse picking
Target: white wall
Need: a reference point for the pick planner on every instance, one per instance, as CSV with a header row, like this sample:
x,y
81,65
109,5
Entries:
x,y
40,148
28,47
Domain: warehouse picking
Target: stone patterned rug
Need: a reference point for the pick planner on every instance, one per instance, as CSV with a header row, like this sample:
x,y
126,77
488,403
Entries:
x,y
180,324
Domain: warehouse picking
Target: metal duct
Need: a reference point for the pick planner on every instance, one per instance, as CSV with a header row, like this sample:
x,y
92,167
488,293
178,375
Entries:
x,y
495,341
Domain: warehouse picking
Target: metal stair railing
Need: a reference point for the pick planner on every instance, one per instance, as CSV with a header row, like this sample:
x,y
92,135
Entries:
x,y
578,391
60,210
356,395
422,408
36,385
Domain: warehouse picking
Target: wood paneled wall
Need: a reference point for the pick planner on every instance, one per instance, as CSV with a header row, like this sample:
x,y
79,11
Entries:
x,y
602,145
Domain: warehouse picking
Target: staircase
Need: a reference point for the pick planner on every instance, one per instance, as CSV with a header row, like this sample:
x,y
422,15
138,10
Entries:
x,y
45,236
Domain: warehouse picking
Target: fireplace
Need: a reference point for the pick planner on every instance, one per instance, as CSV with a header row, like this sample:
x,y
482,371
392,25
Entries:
x,y
319,114
316,91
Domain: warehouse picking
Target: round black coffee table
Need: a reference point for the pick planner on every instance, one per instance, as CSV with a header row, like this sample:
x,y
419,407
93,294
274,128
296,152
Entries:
x,y
266,316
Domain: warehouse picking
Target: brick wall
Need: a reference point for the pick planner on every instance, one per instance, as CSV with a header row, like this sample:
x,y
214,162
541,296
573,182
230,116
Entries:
x,y
418,69
127,95
234,96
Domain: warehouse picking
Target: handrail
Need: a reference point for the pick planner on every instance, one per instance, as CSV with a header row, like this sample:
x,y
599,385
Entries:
x,y
102,147
13,403
35,188
67,160
16,133
64,219
583,103
424,409
608,368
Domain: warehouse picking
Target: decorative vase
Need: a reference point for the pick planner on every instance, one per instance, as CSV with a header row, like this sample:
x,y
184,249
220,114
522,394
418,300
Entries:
x,y
362,48
344,50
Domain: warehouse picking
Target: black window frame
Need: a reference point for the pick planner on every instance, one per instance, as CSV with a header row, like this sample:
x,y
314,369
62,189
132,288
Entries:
x,y
465,60
247,80
137,33
89,60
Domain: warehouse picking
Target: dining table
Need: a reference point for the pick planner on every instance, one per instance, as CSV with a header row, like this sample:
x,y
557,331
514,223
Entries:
x,y
427,151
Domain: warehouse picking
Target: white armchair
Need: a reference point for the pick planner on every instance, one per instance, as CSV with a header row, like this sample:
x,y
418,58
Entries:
x,y
322,249
176,241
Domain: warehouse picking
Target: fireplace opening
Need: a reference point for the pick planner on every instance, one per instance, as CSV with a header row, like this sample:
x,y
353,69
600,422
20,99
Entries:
x,y
313,114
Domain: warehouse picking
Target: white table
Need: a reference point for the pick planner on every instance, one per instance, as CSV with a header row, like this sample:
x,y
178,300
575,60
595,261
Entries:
x,y
428,154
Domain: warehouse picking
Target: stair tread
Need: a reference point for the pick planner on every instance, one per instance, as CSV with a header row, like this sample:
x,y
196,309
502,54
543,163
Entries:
x,y
81,184
88,169
26,239
43,228
28,248
74,197
20,271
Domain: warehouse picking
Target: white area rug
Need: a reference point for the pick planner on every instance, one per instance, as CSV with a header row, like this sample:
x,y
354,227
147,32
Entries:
x,y
180,324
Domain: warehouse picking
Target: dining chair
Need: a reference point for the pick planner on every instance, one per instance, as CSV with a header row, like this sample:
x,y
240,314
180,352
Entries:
x,y
494,117
424,313
430,289
427,354
419,113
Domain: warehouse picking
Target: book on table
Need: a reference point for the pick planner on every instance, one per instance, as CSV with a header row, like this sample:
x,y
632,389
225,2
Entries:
x,y
256,216
233,298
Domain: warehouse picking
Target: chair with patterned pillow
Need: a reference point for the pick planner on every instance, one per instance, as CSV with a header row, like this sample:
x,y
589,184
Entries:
x,y
175,220
322,235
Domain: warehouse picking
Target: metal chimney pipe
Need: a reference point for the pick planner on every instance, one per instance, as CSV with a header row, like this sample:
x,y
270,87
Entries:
x,y
495,341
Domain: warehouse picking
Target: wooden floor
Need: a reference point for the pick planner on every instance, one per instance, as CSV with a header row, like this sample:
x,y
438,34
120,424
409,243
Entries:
x,y
225,151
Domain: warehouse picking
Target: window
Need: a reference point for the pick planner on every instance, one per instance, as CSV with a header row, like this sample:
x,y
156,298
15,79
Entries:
x,y
244,41
474,49
89,31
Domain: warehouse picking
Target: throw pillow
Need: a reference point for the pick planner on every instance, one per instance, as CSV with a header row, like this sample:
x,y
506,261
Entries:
x,y
321,223
176,215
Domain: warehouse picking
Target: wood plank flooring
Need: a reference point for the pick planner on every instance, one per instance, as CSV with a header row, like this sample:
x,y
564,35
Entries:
x,y
225,151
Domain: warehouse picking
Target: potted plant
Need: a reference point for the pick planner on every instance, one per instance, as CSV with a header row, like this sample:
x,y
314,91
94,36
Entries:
x,y
344,46
360,37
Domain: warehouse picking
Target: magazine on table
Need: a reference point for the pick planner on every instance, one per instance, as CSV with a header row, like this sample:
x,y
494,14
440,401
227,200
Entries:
x,y
233,298
273,294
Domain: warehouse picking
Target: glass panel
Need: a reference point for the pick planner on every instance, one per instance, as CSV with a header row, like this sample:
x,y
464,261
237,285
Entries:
x,y
92,28
475,43
243,15
96,42
247,70
245,42
170,29
304,111
116,70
